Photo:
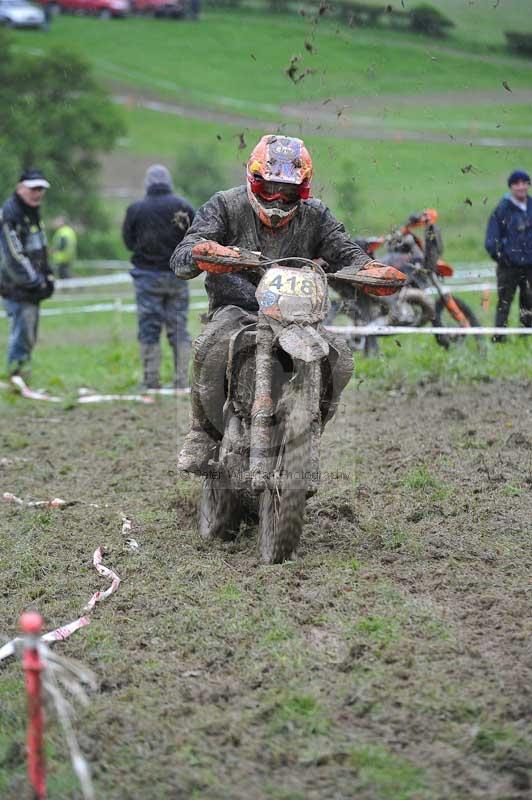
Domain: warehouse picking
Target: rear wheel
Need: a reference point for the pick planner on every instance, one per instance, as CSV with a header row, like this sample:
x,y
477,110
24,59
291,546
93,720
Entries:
x,y
447,318
282,504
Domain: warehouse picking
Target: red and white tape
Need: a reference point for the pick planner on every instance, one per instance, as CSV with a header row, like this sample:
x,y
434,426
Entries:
x,y
65,631
97,597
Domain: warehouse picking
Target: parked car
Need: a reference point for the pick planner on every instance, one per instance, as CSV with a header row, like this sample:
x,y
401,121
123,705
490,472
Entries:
x,y
159,8
100,8
19,14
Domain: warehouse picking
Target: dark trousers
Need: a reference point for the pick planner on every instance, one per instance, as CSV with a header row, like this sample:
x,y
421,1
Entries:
x,y
509,279
162,300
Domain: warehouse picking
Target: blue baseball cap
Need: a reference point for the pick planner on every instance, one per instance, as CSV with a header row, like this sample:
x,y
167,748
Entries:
x,y
518,175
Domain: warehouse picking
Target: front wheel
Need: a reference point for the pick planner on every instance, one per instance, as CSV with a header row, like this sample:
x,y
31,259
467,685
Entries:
x,y
453,316
219,511
282,503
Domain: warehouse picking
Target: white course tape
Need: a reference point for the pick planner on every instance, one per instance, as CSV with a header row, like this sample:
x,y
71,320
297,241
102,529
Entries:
x,y
169,391
86,396
466,287
66,630
128,308
107,398
96,280
471,273
102,263
25,391
391,330
55,503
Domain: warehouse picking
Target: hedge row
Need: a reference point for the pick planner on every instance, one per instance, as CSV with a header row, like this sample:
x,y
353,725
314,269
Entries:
x,y
519,42
424,19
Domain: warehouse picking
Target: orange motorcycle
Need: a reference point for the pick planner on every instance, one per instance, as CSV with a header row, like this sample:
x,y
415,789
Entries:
x,y
423,299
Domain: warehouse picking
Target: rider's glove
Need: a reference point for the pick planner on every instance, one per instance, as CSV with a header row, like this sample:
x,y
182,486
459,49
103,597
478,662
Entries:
x,y
378,272
210,256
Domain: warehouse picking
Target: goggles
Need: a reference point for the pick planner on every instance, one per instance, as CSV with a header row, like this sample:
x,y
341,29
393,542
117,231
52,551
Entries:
x,y
275,190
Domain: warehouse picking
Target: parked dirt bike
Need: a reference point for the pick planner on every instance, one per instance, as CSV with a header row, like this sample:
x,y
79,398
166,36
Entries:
x,y
268,461
413,306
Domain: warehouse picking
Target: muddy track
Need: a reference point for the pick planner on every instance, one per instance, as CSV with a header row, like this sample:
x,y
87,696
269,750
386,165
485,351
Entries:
x,y
315,119
389,661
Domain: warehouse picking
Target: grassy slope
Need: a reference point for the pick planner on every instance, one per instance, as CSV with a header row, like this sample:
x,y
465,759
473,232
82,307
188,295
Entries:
x,y
209,64
483,22
393,178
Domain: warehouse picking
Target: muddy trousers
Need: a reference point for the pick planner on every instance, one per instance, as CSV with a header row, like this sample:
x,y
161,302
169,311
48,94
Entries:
x,y
509,279
210,359
162,301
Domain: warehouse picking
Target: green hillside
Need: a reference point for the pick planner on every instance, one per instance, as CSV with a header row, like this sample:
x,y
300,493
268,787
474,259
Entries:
x,y
400,116
208,64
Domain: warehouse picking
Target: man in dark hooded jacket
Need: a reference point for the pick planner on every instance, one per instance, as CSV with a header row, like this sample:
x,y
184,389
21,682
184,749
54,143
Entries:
x,y
152,229
25,274
273,214
509,243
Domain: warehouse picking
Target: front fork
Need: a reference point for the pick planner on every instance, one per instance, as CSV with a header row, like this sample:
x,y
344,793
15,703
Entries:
x,y
262,409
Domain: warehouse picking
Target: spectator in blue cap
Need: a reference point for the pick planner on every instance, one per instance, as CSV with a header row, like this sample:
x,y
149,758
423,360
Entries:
x,y
509,243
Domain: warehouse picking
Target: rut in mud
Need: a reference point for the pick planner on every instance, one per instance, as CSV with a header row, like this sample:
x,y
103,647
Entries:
x,y
388,662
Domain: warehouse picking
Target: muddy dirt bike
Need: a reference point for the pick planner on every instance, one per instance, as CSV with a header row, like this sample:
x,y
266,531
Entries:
x,y
267,462
423,299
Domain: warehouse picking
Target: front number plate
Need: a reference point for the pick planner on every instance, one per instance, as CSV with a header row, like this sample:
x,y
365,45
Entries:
x,y
291,282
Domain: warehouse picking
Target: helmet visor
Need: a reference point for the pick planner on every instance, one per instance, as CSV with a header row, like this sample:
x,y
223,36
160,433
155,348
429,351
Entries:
x,y
277,190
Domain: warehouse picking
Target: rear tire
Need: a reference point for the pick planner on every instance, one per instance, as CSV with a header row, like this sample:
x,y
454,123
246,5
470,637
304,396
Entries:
x,y
282,504
443,318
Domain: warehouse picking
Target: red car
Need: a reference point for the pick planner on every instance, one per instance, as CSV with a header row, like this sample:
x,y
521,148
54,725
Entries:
x,y
100,8
159,8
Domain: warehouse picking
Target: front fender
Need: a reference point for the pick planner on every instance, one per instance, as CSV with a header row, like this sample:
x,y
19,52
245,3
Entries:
x,y
304,342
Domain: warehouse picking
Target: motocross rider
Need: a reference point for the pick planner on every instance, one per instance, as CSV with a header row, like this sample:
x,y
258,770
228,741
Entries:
x,y
275,215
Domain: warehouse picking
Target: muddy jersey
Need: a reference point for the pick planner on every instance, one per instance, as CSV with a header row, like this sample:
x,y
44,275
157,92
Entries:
x,y
229,219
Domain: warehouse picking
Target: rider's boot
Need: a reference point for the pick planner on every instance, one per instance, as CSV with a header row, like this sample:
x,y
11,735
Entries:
x,y
150,354
199,446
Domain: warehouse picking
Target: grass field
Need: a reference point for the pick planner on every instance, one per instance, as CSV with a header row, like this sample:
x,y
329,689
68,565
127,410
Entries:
x,y
387,663
99,350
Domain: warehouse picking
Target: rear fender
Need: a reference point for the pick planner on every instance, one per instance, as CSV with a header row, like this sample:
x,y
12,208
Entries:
x,y
304,342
